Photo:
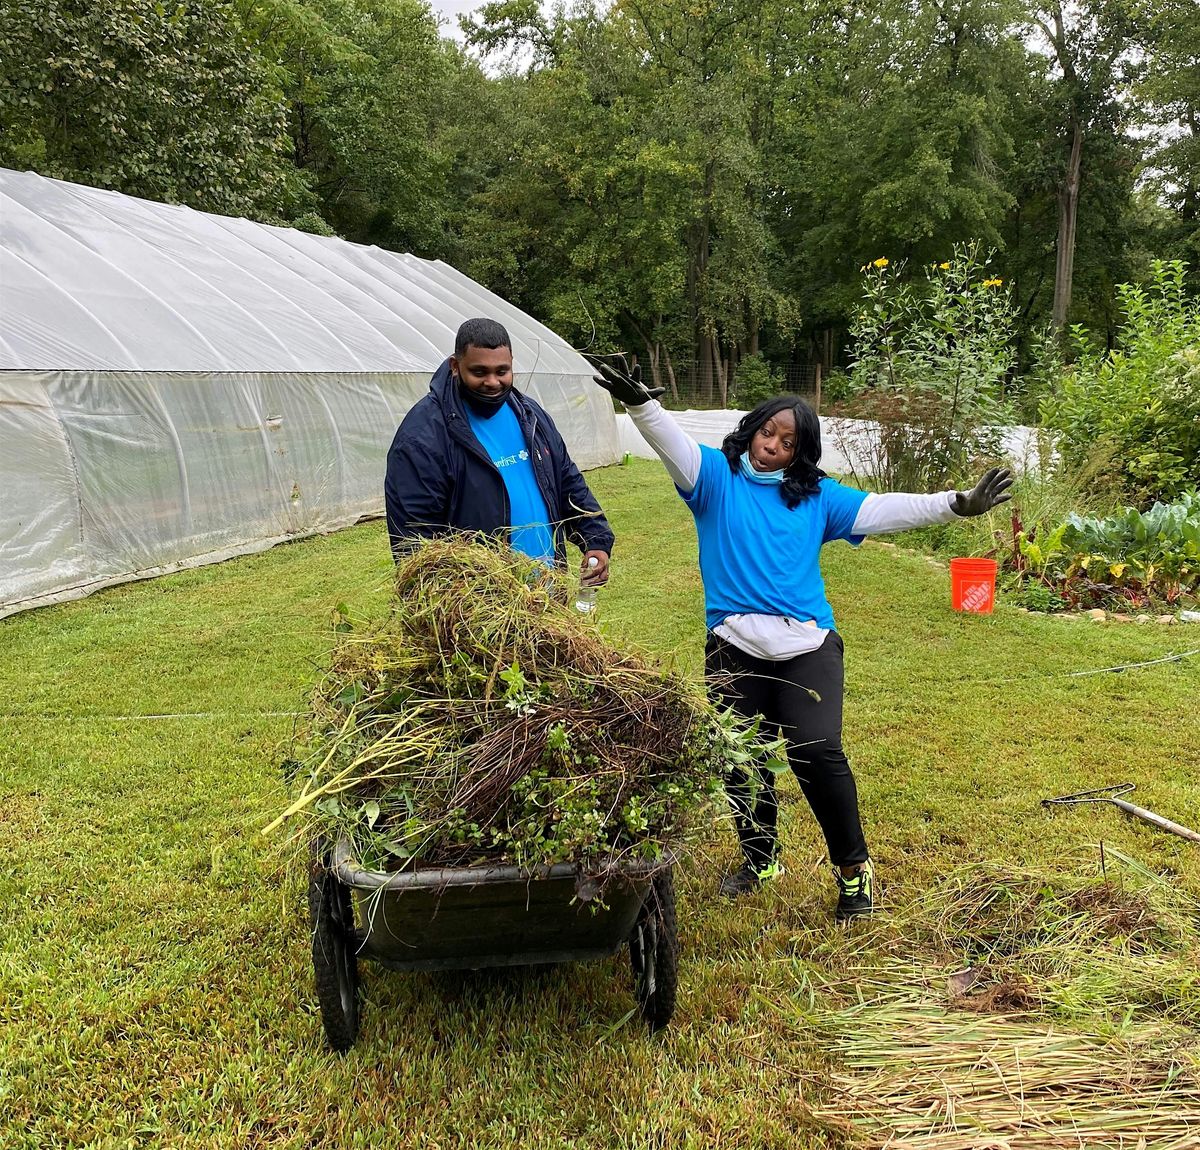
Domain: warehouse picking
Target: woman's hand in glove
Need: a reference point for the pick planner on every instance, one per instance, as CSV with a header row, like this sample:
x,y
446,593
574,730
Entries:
x,y
989,492
624,385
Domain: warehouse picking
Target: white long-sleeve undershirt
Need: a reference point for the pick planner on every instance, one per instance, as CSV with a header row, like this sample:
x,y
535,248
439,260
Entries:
x,y
777,637
679,452
878,515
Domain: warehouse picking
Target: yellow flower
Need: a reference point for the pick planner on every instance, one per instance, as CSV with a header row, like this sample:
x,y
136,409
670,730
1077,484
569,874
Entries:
x,y
992,283
944,266
882,262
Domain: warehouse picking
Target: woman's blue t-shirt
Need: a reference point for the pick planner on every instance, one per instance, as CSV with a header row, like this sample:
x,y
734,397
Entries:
x,y
757,557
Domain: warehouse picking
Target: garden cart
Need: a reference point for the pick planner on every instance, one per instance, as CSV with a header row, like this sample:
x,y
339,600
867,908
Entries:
x,y
470,918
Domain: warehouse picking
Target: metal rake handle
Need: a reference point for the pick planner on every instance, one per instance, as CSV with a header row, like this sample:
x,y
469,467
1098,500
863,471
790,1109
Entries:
x,y
1156,820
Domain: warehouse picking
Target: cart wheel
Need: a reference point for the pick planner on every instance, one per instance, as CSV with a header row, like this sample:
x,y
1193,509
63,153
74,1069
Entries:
x,y
335,964
654,953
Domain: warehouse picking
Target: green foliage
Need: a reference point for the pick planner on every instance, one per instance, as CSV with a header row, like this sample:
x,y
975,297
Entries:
x,y
313,223
894,132
692,183
168,102
836,388
1168,88
1133,558
754,382
1142,399
636,215
931,360
369,90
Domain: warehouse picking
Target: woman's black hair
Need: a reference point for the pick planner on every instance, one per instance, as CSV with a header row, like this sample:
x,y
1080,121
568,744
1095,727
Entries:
x,y
802,476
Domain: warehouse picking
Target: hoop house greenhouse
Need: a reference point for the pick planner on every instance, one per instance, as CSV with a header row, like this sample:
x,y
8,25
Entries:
x,y
178,388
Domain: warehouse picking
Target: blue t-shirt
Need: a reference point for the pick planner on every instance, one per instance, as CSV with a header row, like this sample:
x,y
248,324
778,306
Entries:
x,y
756,556
529,517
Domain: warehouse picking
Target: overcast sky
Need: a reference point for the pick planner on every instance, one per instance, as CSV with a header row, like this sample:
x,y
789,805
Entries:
x,y
450,10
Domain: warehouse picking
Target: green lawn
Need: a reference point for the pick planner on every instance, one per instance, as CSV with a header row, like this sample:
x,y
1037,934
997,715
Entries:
x,y
155,985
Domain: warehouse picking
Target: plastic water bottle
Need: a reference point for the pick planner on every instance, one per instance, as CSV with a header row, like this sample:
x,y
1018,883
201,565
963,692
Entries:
x,y
585,599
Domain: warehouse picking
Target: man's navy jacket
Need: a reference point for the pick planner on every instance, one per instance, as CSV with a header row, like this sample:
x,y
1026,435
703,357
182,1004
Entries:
x,y
439,477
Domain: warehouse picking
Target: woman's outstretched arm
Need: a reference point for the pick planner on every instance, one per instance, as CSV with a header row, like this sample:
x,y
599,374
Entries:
x,y
679,452
900,511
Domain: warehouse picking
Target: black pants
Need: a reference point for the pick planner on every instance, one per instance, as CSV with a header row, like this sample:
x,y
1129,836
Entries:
x,y
813,730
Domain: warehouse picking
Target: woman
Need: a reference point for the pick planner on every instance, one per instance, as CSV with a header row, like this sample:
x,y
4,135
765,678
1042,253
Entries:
x,y
763,510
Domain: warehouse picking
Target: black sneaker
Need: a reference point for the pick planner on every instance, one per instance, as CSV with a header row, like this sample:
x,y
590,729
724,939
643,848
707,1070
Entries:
x,y
747,879
855,893
741,882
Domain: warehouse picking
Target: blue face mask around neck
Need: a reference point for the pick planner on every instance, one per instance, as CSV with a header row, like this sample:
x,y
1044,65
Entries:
x,y
759,476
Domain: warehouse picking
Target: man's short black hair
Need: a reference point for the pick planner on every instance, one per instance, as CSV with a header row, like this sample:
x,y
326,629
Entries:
x,y
481,333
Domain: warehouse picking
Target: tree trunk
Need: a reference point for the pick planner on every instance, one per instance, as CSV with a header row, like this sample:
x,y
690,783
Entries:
x,y
652,356
701,239
721,373
654,348
1068,211
670,373
1191,193
704,370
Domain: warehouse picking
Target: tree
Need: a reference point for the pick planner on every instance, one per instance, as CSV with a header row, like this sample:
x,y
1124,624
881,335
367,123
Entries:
x,y
893,137
1086,41
637,181
168,103
367,87
1168,92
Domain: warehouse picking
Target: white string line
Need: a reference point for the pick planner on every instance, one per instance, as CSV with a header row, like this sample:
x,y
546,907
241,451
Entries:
x,y
150,718
298,714
1097,671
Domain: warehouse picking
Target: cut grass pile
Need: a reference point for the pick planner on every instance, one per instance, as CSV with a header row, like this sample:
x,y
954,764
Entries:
x,y
920,1077
1070,1021
483,719
155,983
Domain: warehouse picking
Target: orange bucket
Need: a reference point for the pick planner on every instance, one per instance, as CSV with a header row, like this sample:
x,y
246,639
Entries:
x,y
973,585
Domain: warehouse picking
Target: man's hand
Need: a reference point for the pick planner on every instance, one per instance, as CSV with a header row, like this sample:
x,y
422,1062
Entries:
x,y
989,492
617,379
594,576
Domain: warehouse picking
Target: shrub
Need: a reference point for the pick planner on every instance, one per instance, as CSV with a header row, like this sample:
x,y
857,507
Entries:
x,y
836,387
1143,398
754,381
930,367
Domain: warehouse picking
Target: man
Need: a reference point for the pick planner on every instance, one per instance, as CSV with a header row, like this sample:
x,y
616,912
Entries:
x,y
476,455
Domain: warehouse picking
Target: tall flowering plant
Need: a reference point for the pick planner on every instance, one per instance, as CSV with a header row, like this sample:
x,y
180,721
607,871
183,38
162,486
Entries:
x,y
932,355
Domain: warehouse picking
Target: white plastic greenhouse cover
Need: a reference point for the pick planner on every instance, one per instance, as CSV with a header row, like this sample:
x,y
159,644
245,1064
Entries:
x,y
178,388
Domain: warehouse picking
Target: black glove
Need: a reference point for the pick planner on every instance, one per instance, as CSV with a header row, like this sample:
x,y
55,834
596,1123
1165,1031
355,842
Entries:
x,y
623,384
989,492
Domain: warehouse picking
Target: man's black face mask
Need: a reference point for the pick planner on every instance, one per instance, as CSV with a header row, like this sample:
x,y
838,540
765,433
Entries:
x,y
483,405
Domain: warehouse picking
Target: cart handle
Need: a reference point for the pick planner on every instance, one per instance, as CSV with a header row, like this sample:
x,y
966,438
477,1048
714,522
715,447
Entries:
x,y
353,875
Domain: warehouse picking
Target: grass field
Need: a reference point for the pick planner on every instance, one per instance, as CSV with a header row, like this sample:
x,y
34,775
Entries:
x,y
155,984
